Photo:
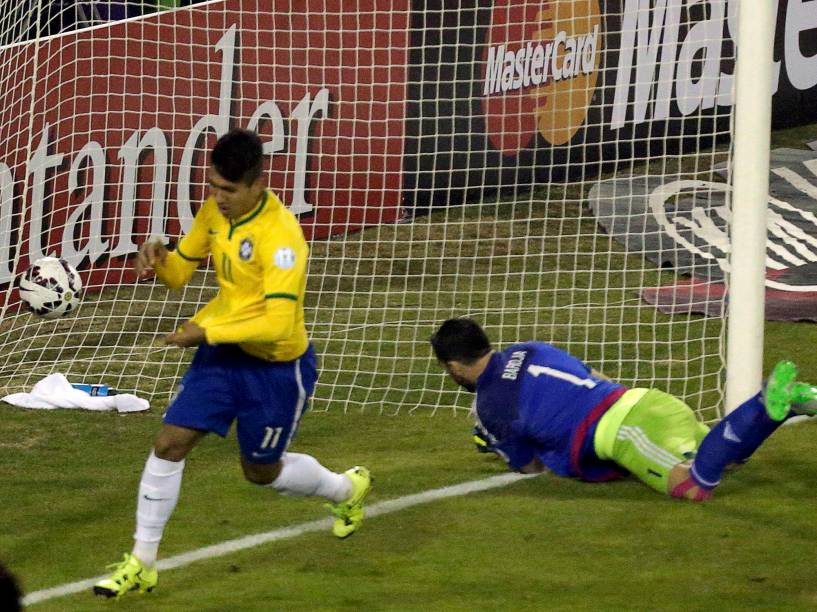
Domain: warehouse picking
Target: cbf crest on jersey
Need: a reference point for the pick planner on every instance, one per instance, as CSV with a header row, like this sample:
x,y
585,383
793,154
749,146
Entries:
x,y
245,250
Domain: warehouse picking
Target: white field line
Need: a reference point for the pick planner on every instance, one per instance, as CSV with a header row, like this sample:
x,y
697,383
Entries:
x,y
251,541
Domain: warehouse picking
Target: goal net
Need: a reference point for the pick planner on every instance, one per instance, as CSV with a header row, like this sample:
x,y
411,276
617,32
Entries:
x,y
557,170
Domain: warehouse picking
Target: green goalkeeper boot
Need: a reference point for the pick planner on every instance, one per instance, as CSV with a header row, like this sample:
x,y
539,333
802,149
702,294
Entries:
x,y
349,514
777,393
782,393
130,575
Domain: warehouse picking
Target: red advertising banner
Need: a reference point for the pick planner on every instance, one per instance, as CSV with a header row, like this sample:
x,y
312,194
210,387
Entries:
x,y
104,132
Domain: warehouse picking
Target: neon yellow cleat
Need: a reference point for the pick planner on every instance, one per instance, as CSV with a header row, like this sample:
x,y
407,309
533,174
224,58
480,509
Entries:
x,y
130,575
349,514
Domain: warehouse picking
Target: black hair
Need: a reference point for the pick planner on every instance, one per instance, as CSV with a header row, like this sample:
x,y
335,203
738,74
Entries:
x,y
238,156
460,340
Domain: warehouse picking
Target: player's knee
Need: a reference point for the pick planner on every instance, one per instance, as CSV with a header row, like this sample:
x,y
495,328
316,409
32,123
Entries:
x,y
261,474
170,448
257,479
169,451
174,443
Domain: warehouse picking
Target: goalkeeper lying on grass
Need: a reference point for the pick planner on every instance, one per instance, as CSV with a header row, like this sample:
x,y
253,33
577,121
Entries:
x,y
540,408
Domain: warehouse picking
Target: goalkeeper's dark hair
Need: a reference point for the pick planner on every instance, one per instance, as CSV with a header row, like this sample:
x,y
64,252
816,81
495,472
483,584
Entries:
x,y
238,156
460,340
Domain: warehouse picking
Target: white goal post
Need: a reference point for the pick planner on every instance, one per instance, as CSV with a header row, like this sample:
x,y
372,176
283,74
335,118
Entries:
x,y
558,170
753,120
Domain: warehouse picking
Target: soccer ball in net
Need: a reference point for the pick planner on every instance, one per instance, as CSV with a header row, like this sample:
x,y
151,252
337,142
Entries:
x,y
50,287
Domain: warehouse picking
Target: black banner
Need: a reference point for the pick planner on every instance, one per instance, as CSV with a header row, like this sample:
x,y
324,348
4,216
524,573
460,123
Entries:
x,y
514,93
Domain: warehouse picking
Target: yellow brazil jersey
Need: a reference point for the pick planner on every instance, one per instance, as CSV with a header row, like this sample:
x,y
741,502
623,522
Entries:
x,y
260,263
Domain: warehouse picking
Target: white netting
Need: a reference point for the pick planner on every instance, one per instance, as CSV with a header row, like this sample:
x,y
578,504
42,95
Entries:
x,y
500,161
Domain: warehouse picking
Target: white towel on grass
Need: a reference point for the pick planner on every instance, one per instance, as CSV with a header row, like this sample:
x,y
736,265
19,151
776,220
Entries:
x,y
54,391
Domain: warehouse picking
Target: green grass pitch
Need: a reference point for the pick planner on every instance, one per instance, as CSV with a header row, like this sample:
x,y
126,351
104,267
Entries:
x,y
541,544
68,482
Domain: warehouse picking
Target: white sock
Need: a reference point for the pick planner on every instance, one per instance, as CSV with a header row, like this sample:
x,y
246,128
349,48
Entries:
x,y
158,494
303,475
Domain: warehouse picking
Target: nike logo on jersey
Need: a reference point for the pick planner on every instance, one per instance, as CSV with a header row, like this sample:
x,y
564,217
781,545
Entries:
x,y
729,433
149,498
212,232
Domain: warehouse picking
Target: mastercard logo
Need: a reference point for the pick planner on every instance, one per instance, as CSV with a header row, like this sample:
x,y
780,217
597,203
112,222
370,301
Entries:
x,y
541,68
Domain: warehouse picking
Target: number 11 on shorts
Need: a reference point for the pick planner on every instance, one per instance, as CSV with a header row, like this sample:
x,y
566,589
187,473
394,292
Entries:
x,y
271,436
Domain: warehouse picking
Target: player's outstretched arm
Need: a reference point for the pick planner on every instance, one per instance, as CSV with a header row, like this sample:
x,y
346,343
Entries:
x,y
189,334
173,268
151,254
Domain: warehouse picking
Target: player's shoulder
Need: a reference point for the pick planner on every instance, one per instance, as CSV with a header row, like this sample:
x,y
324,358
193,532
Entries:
x,y
530,348
209,206
281,240
272,199
274,207
546,348
545,354
282,225
274,211
560,359
208,209
207,219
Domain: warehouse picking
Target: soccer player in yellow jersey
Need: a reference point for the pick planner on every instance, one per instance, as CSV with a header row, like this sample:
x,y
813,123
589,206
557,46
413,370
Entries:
x,y
254,363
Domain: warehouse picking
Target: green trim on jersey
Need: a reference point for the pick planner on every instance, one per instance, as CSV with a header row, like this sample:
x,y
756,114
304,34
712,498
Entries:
x,y
187,257
286,296
658,432
248,218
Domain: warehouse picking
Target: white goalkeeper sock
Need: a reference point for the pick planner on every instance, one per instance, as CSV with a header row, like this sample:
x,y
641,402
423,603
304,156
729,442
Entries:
x,y
158,494
303,475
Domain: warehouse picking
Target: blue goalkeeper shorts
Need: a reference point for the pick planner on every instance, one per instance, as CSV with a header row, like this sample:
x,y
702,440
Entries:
x,y
266,399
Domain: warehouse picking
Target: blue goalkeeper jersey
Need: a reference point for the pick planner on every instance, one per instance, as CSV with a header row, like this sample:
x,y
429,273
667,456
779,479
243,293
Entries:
x,y
538,401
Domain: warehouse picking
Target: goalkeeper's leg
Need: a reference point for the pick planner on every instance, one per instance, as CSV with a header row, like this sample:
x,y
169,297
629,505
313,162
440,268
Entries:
x,y
658,434
742,431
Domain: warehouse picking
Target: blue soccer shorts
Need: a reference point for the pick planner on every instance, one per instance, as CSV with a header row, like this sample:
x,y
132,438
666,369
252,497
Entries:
x,y
266,399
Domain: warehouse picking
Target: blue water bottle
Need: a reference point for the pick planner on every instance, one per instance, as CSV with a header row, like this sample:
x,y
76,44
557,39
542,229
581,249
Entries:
x,y
93,390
